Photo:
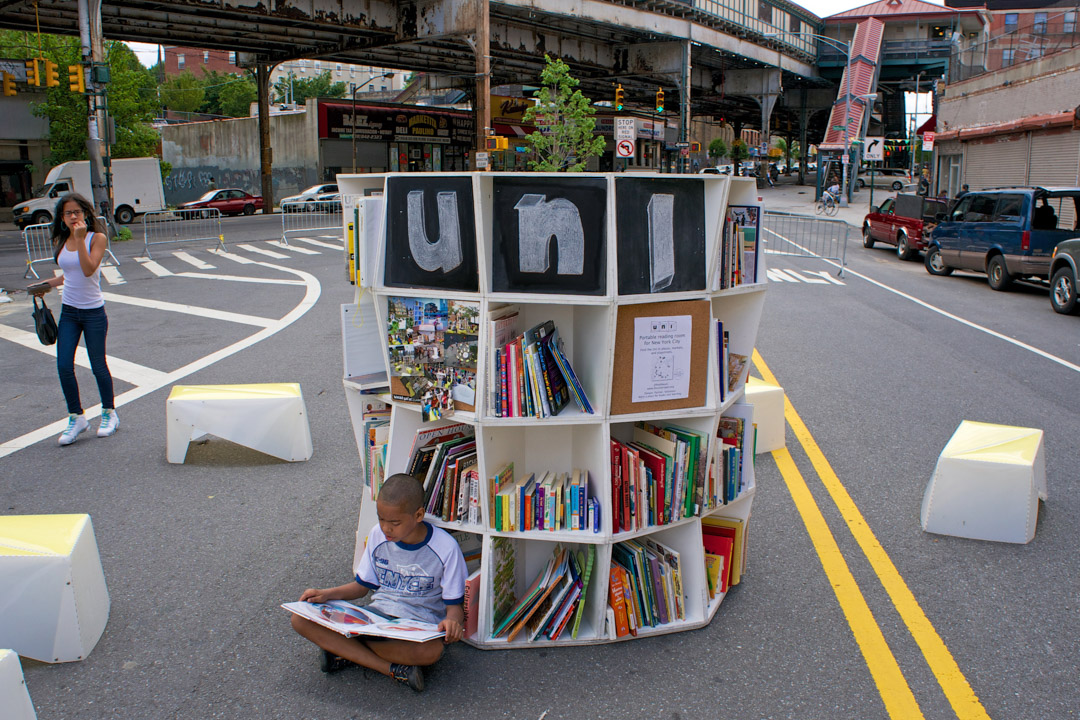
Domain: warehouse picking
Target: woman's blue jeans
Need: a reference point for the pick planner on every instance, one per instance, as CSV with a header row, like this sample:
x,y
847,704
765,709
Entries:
x,y
93,325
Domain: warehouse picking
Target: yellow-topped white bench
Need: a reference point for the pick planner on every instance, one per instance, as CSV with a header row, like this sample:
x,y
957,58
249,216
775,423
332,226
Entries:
x,y
53,601
768,402
987,484
14,698
268,417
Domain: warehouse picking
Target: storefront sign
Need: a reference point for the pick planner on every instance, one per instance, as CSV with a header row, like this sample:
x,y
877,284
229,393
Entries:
x,y
387,124
509,109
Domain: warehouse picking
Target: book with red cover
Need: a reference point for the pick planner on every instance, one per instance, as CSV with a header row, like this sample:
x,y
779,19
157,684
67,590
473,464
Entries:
x,y
617,480
655,463
717,543
617,601
472,604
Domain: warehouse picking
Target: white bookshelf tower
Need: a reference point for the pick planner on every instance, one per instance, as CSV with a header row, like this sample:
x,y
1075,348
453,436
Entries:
x,y
587,325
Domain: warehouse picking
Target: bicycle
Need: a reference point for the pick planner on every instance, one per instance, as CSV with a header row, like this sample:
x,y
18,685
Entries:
x,y
827,204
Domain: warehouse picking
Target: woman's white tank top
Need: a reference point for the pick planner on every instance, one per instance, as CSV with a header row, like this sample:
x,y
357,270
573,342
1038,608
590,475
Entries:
x,y
80,291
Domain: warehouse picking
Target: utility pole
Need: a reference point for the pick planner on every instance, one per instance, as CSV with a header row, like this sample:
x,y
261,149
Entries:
x,y
481,46
93,57
262,81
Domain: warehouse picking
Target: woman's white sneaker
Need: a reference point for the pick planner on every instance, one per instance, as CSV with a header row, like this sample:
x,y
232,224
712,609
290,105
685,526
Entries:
x,y
76,426
110,423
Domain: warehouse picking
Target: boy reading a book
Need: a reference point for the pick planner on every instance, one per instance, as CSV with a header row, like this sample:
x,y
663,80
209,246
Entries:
x,y
416,570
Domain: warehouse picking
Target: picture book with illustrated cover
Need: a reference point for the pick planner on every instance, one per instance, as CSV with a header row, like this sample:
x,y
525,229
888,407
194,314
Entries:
x,y
352,621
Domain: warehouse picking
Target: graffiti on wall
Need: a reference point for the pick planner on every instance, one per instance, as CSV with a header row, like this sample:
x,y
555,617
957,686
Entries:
x,y
190,183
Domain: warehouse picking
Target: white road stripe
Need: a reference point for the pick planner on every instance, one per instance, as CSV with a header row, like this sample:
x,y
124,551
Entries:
x,y
283,246
190,310
192,260
129,372
112,275
263,251
311,296
945,313
777,274
238,278
827,275
811,281
320,243
153,267
232,256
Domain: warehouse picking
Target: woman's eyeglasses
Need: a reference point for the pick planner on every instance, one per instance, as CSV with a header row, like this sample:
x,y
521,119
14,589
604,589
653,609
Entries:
x,y
73,213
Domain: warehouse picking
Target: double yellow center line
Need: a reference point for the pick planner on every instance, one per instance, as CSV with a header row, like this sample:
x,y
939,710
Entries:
x,y
894,690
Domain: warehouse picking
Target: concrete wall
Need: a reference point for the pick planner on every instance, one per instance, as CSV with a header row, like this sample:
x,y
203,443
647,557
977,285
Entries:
x,y
1048,85
228,152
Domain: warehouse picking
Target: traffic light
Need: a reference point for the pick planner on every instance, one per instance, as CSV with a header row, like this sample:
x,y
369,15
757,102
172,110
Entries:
x,y
695,147
660,100
620,98
52,78
9,85
32,73
495,142
76,80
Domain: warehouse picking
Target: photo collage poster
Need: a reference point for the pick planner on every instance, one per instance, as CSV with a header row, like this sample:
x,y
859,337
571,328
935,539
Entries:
x,y
433,351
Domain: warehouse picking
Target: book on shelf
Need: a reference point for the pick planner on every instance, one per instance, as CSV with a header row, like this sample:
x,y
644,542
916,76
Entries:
x,y
504,558
713,566
352,621
735,529
531,376
617,602
729,462
737,260
655,576
545,501
472,604
588,558
502,328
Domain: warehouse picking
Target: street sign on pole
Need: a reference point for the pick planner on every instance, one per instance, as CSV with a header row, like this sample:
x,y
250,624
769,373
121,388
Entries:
x,y
625,129
928,141
874,148
481,159
682,144
624,148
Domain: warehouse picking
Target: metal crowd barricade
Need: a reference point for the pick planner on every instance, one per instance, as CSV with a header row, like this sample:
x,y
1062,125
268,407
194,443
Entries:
x,y
299,219
806,236
39,247
181,226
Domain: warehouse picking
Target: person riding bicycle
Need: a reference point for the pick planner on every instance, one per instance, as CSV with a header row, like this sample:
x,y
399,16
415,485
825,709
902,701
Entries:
x,y
833,191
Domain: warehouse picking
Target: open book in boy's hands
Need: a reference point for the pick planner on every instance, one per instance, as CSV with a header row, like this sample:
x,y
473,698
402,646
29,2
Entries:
x,y
349,620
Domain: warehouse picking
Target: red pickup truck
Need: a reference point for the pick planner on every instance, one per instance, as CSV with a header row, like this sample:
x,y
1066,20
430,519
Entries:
x,y
904,221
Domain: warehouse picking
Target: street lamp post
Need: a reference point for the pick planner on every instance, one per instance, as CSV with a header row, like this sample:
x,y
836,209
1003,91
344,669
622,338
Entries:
x,y
353,123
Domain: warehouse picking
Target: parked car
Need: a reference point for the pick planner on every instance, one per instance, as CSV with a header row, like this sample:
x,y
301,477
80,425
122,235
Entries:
x,y
309,194
1064,269
718,170
1008,233
890,178
328,202
904,221
230,201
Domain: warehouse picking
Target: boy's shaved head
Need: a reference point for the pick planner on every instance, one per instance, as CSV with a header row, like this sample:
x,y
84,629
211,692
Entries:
x,y
403,491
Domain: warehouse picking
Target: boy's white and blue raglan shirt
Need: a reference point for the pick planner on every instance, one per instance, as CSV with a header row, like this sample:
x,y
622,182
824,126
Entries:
x,y
413,581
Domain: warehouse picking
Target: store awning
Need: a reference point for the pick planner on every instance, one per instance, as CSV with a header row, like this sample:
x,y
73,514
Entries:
x,y
512,130
930,125
1031,122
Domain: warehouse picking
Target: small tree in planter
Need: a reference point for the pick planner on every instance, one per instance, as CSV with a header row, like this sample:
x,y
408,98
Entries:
x,y
739,152
718,150
568,139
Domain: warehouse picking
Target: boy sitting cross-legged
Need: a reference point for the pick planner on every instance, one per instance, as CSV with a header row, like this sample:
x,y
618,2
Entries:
x,y
417,572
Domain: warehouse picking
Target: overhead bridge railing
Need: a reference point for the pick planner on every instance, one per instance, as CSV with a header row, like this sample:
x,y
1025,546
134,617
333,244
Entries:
x,y
806,236
39,247
311,217
181,226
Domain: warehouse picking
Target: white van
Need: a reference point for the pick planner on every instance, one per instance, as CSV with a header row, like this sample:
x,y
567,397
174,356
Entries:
x,y
136,189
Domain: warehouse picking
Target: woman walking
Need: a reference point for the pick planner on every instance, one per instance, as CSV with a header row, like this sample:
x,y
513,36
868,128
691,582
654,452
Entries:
x,y
78,247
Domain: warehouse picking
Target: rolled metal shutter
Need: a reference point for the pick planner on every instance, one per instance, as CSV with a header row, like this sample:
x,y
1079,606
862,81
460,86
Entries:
x,y
996,162
1055,158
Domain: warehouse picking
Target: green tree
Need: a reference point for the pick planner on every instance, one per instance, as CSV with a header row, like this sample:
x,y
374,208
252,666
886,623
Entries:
x,y
235,98
183,93
131,97
304,88
567,138
718,149
739,152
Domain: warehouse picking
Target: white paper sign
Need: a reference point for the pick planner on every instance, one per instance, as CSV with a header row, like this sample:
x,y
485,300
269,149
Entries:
x,y
661,358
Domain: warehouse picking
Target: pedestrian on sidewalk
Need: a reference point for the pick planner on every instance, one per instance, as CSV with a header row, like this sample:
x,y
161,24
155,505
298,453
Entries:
x,y
78,247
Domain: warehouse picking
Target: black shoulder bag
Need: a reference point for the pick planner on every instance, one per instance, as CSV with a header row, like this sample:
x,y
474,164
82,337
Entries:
x,y
44,323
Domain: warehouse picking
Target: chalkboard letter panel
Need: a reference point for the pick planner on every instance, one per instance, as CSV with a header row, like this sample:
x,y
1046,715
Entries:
x,y
661,235
549,235
431,233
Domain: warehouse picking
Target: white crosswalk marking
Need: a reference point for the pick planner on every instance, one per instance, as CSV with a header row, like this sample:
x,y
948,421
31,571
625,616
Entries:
x,y
129,372
812,281
202,312
192,260
263,251
779,275
153,267
283,246
112,275
232,256
320,243
825,274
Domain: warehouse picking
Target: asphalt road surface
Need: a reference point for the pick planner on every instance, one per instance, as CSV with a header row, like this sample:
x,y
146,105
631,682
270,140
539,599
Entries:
x,y
848,609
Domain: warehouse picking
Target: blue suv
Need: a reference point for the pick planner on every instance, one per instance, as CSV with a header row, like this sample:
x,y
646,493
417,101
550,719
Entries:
x,y
1008,233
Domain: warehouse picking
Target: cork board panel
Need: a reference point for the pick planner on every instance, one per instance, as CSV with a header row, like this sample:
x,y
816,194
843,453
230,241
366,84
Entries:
x,y
622,376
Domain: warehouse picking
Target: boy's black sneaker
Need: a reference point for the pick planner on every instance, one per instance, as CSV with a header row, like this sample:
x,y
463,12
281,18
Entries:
x,y
408,674
331,663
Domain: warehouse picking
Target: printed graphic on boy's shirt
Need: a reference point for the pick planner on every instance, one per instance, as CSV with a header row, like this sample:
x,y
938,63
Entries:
x,y
411,579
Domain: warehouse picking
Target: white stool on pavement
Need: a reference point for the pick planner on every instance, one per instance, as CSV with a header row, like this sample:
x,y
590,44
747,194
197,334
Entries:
x,y
269,417
52,588
14,698
987,484
768,402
